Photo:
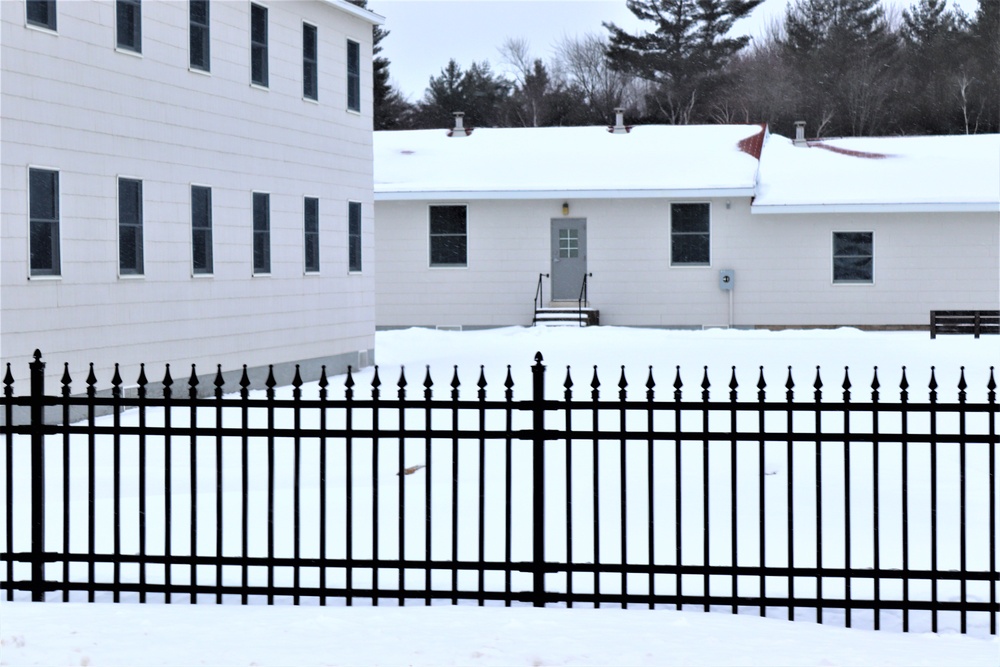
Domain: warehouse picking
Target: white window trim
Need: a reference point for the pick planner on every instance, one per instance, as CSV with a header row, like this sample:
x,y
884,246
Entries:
x,y
211,274
347,77
118,229
305,271
122,49
253,271
670,232
427,237
852,283
249,43
27,220
196,70
361,237
303,34
40,28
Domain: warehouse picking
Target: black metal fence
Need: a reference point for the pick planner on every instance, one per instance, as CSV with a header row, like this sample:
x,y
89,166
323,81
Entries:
x,y
876,513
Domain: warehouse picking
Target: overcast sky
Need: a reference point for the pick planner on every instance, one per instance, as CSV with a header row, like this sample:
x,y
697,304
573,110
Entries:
x,y
425,34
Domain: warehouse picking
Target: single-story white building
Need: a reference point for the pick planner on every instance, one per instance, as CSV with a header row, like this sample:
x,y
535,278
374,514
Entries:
x,y
186,183
683,226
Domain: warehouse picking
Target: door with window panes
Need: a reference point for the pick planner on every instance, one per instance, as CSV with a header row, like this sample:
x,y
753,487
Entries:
x,y
569,257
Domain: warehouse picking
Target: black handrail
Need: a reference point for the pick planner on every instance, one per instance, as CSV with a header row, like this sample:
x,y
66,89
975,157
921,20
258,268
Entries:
x,y
539,300
582,300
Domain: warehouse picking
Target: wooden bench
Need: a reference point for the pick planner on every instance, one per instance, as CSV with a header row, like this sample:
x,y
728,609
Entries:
x,y
975,322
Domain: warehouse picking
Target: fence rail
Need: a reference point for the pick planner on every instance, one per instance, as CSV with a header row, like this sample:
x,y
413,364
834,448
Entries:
x,y
879,511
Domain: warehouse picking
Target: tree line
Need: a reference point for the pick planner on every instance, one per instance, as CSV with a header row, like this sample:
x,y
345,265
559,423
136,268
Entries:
x,y
846,67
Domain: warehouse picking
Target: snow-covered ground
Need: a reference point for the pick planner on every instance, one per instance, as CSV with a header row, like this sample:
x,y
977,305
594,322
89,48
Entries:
x,y
130,634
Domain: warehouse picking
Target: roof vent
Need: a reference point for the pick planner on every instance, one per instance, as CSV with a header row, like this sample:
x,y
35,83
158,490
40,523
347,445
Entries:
x,y
459,130
619,127
800,133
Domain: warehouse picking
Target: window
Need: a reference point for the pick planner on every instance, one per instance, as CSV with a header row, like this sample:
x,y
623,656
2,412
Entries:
x,y
201,229
200,47
128,14
353,76
261,233
41,13
853,257
129,226
258,45
43,213
311,227
569,243
310,71
689,234
353,236
448,236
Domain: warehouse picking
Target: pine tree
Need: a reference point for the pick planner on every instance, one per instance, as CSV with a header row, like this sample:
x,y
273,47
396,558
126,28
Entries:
x,y
390,106
688,46
477,92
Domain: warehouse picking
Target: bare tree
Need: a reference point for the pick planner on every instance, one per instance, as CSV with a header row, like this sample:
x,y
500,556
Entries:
x,y
584,63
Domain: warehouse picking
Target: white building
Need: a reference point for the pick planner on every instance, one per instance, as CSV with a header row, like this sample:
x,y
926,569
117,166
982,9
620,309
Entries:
x,y
186,182
861,232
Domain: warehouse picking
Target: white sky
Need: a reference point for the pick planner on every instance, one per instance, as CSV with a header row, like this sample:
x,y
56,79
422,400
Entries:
x,y
426,33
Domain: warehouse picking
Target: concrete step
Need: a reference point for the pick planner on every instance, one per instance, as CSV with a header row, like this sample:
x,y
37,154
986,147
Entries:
x,y
567,315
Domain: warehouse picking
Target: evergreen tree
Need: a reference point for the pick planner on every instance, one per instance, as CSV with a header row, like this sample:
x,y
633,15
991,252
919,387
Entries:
x,y
841,53
687,48
477,92
391,107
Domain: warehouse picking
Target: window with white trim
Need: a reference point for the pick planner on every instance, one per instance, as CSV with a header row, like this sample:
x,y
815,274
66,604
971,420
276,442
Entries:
x,y
448,235
690,238
201,230
310,62
130,227
41,13
128,22
199,51
310,224
43,216
853,257
258,45
354,236
353,75
261,233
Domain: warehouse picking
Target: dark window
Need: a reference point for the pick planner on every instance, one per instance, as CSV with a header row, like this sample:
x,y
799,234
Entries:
x,y
311,227
200,51
42,13
353,76
129,226
261,232
258,45
310,71
448,236
43,205
853,257
354,236
689,234
201,229
129,22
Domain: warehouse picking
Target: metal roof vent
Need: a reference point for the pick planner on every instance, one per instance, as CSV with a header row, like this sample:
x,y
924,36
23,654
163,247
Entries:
x,y
619,127
800,134
459,130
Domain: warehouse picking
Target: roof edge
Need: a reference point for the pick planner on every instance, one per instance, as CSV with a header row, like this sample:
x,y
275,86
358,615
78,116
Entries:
x,y
354,10
896,207
419,195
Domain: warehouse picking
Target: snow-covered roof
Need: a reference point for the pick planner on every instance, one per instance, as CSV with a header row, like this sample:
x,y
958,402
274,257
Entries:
x,y
578,162
881,174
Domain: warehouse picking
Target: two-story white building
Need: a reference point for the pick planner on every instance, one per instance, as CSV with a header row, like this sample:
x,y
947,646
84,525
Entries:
x,y
186,182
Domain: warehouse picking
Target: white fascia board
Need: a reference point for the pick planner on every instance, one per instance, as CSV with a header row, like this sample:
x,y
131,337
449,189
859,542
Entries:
x,y
908,207
366,14
470,195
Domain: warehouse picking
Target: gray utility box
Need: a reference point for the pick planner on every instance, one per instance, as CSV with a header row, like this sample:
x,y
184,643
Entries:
x,y
727,279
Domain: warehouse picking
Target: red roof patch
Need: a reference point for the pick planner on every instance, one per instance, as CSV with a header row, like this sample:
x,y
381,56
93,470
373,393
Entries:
x,y
753,144
846,151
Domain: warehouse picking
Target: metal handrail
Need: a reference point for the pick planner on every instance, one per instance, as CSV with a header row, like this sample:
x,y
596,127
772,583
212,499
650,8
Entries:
x,y
539,298
582,300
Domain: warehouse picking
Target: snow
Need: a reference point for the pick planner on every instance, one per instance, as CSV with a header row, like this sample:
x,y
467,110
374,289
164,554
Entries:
x,y
953,172
156,634
569,160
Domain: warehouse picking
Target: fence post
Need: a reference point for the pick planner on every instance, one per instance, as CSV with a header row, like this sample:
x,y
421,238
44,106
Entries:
x,y
37,368
538,480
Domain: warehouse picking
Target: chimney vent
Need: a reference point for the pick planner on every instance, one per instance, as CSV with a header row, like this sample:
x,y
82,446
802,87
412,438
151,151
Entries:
x,y
619,127
459,130
800,133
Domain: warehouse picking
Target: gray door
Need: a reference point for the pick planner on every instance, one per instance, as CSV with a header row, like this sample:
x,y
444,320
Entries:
x,y
569,257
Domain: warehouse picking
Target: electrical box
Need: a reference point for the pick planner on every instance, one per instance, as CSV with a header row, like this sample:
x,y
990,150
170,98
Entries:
x,y
727,279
